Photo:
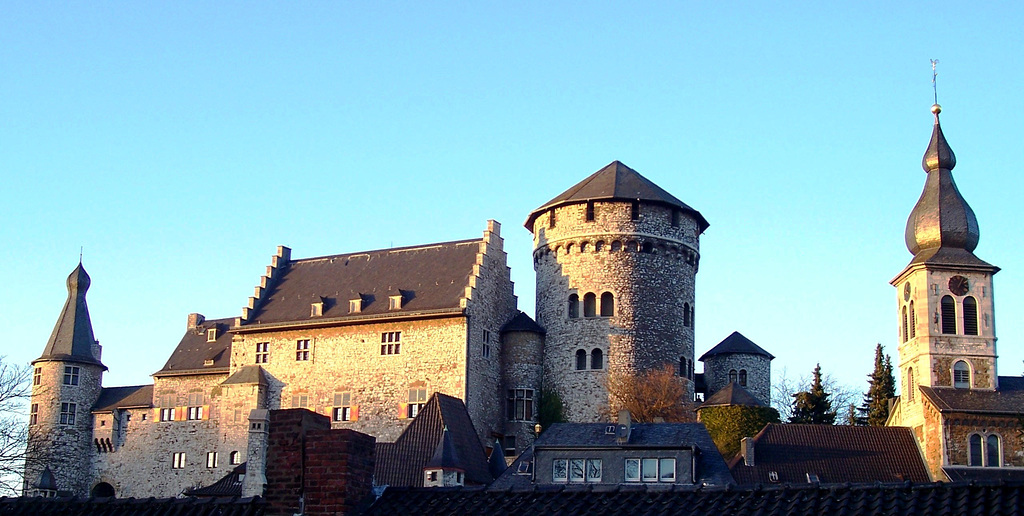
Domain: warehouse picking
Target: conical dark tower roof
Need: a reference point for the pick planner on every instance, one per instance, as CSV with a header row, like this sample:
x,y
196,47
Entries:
x,y
72,339
616,182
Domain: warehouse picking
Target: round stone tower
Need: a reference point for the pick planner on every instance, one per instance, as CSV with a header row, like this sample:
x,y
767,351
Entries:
x,y
66,382
616,258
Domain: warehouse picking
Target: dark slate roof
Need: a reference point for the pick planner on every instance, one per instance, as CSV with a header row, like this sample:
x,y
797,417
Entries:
x,y
496,460
616,182
193,351
47,481
72,338
736,343
1009,399
522,322
835,453
255,506
401,463
250,374
732,394
430,278
952,256
230,485
811,500
967,473
133,396
445,457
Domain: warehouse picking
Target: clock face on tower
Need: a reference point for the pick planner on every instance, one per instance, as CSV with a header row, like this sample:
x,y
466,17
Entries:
x,y
958,285
906,291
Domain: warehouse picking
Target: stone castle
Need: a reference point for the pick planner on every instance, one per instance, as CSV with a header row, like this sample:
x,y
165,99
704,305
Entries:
x,y
365,338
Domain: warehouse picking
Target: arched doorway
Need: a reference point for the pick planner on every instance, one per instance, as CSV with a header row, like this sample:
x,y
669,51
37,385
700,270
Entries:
x,y
103,490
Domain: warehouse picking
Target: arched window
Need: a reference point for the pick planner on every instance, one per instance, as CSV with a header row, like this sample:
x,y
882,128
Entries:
x,y
743,377
961,375
589,304
733,376
948,315
599,246
992,454
970,316
596,359
607,304
693,317
686,315
910,384
574,306
904,323
646,247
581,360
616,246
913,321
236,458
975,456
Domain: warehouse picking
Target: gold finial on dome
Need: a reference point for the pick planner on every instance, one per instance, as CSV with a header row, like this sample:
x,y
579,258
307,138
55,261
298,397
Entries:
x,y
936,109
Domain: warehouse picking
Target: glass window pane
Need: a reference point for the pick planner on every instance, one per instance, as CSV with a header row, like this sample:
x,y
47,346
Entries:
x,y
576,470
668,470
649,470
593,470
992,452
560,470
975,458
632,470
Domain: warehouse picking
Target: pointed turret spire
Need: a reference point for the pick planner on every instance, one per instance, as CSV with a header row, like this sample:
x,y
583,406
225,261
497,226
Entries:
x,y
941,218
72,338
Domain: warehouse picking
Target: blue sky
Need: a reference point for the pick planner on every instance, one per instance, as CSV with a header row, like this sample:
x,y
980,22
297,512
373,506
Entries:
x,y
179,143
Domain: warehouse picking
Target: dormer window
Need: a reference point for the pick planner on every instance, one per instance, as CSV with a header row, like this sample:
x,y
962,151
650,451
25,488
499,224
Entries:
x,y
208,362
211,334
395,302
316,309
355,305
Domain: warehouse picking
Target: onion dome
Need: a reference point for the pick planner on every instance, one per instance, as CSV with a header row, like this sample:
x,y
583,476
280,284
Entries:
x,y
941,218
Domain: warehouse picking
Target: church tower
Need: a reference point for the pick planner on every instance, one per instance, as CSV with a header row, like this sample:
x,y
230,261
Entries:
x,y
947,334
616,258
66,382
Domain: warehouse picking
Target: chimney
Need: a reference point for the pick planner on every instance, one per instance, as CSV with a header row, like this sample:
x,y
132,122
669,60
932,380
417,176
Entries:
x,y
747,450
194,320
624,427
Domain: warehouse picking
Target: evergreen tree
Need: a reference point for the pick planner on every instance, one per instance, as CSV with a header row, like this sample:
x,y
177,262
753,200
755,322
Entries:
x,y
813,406
851,416
881,388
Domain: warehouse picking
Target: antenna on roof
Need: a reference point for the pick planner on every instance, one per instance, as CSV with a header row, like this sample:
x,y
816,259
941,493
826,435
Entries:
x,y
935,74
81,250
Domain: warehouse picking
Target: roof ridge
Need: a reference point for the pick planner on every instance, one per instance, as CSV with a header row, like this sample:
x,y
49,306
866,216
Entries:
x,y
389,250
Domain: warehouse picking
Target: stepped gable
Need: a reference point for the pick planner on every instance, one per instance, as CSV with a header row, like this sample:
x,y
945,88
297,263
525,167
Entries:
x,y
429,278
834,453
616,182
195,349
72,339
401,463
1008,400
132,396
732,394
736,343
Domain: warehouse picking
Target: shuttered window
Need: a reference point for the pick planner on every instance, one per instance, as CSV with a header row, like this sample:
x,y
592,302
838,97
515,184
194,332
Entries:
x,y
948,315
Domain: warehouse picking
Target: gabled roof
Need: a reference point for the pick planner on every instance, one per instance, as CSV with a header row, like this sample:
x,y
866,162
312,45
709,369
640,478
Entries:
x,y
72,338
732,394
194,350
616,182
736,343
229,485
848,500
522,322
1009,399
250,374
430,278
401,463
834,453
132,396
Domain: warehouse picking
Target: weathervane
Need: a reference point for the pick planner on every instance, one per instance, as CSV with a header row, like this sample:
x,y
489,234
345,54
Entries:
x,y
935,74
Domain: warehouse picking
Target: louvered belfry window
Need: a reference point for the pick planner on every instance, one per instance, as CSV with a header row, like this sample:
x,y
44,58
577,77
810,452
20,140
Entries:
x,y
948,315
970,316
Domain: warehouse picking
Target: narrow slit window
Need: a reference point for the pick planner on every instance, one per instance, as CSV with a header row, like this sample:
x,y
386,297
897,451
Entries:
x,y
970,316
913,321
590,211
948,315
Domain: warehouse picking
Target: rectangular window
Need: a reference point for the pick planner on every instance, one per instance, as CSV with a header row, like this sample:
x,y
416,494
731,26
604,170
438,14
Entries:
x,y
551,218
302,350
343,406
211,459
67,413
167,414
649,470
33,416
510,446
675,218
262,352
520,404
590,211
667,468
417,399
594,470
560,470
71,375
300,401
195,413
632,471
391,343
634,211
576,470
37,376
195,406
486,351
178,460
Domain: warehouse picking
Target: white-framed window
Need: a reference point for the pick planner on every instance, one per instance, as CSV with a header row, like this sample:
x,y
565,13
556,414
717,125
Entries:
x,y
961,375
560,470
67,413
195,413
391,343
211,335
178,460
71,375
520,404
33,416
343,406
417,399
211,459
650,469
486,351
595,468
262,352
167,414
235,458
302,350
576,470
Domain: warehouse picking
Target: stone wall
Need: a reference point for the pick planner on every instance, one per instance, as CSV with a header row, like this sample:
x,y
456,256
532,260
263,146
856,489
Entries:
x,y
758,368
523,368
959,428
648,265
